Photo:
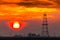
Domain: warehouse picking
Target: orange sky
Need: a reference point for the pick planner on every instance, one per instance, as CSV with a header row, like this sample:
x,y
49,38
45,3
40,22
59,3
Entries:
x,y
11,0
13,11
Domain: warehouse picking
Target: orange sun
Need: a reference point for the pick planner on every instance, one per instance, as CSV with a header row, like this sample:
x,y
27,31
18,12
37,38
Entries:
x,y
16,25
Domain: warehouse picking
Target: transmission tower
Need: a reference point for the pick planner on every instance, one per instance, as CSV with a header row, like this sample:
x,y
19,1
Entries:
x,y
45,32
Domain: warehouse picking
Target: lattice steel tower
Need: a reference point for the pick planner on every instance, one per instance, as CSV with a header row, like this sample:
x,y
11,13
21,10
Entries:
x,y
45,32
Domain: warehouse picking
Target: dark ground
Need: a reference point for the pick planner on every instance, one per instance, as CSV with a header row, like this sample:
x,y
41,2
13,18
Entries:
x,y
29,38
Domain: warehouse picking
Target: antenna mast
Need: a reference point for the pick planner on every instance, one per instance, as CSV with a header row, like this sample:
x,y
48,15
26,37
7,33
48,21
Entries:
x,y
45,32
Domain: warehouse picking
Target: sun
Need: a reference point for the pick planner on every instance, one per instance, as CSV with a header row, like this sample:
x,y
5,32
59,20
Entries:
x,y
16,25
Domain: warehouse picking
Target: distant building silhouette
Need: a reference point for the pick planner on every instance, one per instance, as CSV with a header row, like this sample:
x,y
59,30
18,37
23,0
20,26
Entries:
x,y
18,36
28,35
33,35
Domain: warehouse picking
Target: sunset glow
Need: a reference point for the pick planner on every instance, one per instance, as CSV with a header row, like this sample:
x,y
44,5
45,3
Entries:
x,y
20,18
15,11
16,25
12,0
21,12
41,9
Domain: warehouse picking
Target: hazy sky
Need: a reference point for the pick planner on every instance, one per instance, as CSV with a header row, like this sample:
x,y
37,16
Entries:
x,y
28,11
